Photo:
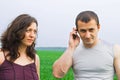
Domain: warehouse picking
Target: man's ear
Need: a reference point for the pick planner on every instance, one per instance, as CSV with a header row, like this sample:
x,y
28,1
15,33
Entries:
x,y
98,27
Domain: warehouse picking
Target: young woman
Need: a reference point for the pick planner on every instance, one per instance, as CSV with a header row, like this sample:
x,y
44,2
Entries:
x,y
18,58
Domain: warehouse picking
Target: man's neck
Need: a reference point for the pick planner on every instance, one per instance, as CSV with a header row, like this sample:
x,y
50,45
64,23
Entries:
x,y
91,45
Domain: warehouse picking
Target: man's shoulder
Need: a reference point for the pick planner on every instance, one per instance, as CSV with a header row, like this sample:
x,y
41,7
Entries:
x,y
106,43
117,47
117,50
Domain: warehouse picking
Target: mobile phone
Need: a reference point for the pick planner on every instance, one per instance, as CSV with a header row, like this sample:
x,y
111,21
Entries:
x,y
75,35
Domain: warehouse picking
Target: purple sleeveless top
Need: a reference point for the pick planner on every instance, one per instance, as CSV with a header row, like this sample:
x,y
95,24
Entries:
x,y
13,71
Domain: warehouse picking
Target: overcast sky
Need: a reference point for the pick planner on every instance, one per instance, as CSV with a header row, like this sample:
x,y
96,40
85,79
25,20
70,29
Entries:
x,y
56,18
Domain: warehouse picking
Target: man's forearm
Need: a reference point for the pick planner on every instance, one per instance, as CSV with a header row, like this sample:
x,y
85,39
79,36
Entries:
x,y
62,65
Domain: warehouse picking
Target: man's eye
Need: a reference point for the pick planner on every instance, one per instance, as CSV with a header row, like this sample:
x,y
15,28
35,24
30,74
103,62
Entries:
x,y
83,31
91,30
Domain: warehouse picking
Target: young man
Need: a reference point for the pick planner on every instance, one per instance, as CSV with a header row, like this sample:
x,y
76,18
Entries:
x,y
93,59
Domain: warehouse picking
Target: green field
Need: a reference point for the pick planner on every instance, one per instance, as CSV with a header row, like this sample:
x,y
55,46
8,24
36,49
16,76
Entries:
x,y
47,59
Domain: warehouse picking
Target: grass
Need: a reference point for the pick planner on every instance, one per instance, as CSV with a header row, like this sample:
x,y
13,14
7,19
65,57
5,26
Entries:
x,y
47,59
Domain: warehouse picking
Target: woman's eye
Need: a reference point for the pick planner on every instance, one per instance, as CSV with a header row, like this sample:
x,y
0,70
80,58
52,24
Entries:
x,y
27,30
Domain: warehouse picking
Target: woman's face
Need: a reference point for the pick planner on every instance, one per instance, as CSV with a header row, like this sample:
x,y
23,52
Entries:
x,y
30,35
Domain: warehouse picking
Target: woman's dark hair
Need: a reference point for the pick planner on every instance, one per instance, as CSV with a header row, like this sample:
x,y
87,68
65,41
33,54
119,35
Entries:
x,y
11,38
86,16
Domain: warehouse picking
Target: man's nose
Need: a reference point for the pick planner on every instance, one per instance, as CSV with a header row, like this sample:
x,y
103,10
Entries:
x,y
87,35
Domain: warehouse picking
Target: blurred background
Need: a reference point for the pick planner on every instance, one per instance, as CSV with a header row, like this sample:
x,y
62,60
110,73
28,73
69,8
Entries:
x,y
56,18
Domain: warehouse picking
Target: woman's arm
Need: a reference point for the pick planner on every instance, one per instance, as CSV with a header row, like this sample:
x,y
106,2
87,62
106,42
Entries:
x,y
38,65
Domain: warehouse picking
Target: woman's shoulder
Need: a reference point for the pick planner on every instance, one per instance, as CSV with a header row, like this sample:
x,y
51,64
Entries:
x,y
1,52
2,58
37,60
0,49
36,57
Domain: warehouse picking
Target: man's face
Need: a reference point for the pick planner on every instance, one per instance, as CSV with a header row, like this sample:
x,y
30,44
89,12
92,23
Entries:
x,y
88,32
